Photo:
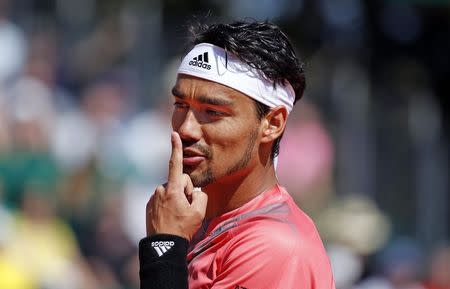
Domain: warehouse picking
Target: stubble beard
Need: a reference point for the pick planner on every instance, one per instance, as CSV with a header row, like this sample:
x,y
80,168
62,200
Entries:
x,y
247,155
208,176
204,179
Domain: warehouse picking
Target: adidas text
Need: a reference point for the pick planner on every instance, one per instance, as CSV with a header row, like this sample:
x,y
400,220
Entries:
x,y
200,64
161,247
163,243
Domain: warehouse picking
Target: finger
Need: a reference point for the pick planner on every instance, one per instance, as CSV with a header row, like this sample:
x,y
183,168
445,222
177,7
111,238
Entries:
x,y
149,210
188,187
151,200
176,159
148,207
199,201
154,199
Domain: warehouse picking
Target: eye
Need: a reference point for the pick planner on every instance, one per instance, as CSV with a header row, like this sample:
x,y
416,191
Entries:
x,y
180,105
213,112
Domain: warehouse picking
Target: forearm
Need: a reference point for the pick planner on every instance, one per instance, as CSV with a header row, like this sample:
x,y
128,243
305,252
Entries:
x,y
162,261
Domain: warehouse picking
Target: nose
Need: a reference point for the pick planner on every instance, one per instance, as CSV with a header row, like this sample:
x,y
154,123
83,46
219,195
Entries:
x,y
187,126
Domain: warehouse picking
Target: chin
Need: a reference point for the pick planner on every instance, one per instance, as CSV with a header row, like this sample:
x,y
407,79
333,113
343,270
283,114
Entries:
x,y
201,179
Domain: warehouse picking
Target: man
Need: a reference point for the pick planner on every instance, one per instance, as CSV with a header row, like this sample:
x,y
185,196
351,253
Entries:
x,y
232,97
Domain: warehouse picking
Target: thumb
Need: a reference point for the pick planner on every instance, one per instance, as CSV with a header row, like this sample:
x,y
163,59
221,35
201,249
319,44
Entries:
x,y
199,201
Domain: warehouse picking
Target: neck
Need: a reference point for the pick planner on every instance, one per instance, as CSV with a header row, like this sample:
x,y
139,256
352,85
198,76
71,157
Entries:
x,y
235,190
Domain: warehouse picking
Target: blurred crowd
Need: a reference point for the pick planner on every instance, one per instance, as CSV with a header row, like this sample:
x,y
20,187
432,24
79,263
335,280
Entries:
x,y
84,140
76,169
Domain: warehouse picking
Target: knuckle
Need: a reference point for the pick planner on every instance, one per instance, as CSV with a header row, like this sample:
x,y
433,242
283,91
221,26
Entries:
x,y
198,215
160,189
173,187
148,206
167,197
172,163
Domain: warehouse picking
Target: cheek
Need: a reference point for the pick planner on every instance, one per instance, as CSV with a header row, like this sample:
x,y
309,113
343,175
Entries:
x,y
177,120
230,140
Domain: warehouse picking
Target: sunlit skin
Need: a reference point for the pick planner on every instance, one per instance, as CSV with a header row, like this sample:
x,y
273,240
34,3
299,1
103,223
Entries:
x,y
226,148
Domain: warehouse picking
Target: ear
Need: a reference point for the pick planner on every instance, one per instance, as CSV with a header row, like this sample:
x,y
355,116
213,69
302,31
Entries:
x,y
274,124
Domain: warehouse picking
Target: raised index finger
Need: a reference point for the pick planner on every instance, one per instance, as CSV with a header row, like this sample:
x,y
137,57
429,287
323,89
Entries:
x,y
176,160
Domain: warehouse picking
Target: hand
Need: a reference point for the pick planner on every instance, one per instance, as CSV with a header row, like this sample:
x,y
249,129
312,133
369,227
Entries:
x,y
176,208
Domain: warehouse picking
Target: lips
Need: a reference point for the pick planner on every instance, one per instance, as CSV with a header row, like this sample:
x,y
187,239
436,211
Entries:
x,y
192,157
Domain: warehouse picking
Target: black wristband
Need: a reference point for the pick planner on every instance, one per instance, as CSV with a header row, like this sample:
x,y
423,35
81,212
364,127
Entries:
x,y
162,260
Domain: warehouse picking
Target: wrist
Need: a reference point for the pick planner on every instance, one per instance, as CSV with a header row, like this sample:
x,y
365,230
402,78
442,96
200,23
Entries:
x,y
168,232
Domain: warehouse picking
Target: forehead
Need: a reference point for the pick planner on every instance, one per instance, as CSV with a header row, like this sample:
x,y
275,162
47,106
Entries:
x,y
195,89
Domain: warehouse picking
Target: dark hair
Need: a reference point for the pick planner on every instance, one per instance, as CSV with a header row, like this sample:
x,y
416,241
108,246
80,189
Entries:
x,y
261,45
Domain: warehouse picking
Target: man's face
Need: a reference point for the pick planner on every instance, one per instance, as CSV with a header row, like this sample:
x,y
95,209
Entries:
x,y
218,128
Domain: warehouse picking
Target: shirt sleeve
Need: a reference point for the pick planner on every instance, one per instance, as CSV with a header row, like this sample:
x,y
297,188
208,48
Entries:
x,y
274,258
162,262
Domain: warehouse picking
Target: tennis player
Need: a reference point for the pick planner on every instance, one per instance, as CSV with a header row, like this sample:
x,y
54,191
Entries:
x,y
222,220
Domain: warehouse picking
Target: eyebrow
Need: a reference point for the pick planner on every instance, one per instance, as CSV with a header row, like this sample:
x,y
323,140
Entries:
x,y
204,99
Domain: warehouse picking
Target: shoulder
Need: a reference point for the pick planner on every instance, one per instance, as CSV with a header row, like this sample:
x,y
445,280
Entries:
x,y
278,219
276,253
269,239
275,242
279,237
278,227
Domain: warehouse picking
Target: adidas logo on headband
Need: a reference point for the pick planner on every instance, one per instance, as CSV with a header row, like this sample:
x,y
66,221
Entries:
x,y
227,69
201,61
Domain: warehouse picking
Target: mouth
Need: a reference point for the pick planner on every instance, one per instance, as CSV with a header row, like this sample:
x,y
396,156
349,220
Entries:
x,y
192,157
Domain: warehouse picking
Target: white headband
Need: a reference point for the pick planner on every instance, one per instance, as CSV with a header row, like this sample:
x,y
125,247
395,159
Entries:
x,y
213,63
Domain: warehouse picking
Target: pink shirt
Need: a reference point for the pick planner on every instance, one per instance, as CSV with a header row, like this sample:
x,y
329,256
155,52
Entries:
x,y
267,243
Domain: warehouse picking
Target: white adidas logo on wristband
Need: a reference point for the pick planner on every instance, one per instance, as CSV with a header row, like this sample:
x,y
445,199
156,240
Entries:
x,y
161,247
